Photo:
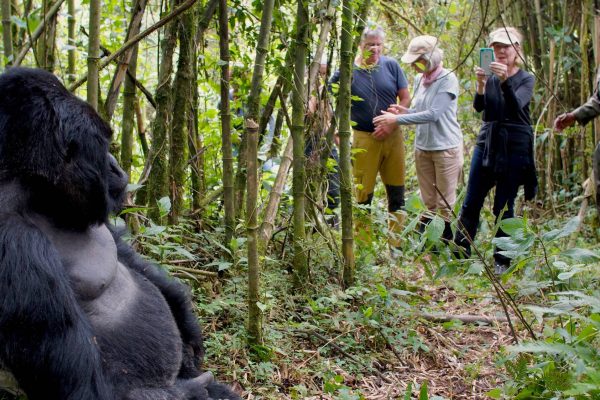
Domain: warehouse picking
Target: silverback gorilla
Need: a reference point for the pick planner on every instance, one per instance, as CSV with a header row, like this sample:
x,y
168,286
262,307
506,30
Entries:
x,y
82,316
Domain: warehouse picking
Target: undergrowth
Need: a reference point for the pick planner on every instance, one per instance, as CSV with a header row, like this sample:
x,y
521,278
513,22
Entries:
x,y
321,340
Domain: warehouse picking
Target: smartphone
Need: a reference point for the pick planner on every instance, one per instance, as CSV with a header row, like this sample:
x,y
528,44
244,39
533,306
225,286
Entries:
x,y
486,56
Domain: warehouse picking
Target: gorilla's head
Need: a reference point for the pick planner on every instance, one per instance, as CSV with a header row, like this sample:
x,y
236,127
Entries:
x,y
56,145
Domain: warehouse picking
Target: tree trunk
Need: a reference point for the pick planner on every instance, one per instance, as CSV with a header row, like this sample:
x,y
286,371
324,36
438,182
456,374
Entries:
x,y
72,55
128,115
255,317
250,157
46,46
195,143
93,53
195,146
40,29
597,60
270,213
226,147
253,106
299,172
7,33
346,56
141,129
182,95
134,28
157,181
583,83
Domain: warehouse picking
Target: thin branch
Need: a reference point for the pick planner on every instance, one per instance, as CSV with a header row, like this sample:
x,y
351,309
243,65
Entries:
x,y
185,6
38,31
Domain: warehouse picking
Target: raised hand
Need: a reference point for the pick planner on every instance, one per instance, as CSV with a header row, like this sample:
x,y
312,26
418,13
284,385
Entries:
x,y
500,70
563,121
397,109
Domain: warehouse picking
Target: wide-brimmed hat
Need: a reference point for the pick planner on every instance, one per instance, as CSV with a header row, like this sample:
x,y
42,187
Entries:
x,y
508,36
420,45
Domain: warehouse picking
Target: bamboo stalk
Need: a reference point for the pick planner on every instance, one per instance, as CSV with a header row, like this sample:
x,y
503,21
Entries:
x,y
299,101
7,32
93,58
135,25
37,32
270,212
346,56
226,145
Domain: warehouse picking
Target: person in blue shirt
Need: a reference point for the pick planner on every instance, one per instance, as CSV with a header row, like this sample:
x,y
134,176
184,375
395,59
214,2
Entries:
x,y
377,82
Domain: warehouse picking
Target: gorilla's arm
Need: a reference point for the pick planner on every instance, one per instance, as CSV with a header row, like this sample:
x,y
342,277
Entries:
x,y
47,342
177,296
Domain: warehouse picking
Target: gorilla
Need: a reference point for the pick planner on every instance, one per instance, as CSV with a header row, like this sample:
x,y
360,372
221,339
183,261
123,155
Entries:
x,y
82,316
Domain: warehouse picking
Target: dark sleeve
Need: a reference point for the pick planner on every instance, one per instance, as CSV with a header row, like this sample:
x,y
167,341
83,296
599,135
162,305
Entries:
x,y
178,298
518,97
478,102
46,338
589,110
335,78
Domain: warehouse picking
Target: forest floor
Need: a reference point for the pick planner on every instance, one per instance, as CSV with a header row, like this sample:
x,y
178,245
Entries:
x,y
345,357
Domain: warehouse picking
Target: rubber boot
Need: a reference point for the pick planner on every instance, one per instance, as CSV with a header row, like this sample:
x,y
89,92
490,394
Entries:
x,y
462,247
397,217
396,222
447,234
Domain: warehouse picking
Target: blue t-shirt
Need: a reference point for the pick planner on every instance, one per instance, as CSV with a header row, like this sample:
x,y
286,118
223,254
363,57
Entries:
x,y
377,88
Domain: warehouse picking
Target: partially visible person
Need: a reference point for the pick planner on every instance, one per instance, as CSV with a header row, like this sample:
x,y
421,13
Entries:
x,y
582,115
503,156
319,148
377,82
438,140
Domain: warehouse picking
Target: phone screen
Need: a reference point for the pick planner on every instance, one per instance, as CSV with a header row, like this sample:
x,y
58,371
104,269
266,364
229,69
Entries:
x,y
486,56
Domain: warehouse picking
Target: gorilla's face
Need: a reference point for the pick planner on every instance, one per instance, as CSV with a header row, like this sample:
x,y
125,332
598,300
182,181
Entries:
x,y
57,145
117,183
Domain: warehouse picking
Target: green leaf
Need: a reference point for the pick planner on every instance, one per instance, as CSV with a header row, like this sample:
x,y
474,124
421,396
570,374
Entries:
x,y
564,276
512,225
541,347
132,187
185,253
581,255
476,268
494,393
423,392
261,306
570,227
434,229
408,393
415,204
164,206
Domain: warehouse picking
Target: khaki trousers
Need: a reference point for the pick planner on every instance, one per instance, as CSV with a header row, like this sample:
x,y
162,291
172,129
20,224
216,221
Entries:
x,y
443,169
372,156
386,157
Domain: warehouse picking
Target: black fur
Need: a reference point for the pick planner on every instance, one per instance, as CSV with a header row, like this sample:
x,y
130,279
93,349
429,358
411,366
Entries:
x,y
75,323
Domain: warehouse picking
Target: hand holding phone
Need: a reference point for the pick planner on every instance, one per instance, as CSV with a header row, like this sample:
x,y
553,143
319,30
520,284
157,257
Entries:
x,y
486,57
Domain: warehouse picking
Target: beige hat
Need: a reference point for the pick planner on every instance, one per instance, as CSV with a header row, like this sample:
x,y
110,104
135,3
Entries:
x,y
505,35
418,46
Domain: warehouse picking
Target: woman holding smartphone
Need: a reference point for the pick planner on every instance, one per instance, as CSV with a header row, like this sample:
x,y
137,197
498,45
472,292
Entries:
x,y
439,139
503,156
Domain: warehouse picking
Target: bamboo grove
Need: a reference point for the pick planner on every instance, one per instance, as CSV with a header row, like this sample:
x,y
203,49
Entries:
x,y
202,95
